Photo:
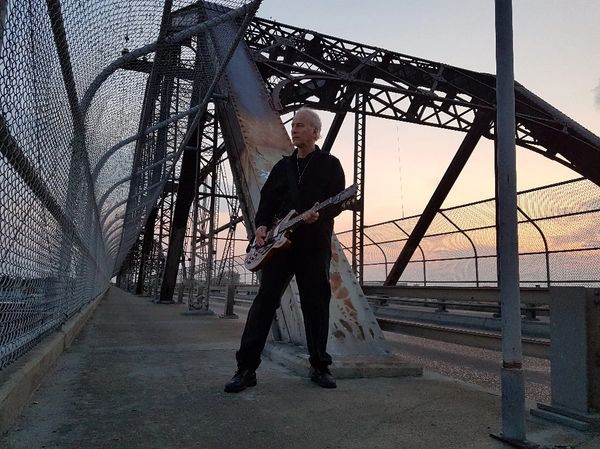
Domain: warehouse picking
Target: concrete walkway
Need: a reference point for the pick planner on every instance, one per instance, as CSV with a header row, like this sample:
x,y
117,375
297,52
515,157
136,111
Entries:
x,y
143,375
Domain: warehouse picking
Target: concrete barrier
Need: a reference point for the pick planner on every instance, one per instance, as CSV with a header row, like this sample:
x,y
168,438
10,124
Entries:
x,y
19,380
575,359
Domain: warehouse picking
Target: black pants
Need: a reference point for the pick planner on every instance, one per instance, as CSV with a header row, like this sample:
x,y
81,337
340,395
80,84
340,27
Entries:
x,y
312,275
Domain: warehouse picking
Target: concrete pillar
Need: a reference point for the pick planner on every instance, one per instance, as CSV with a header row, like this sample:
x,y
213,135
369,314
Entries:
x,y
229,302
575,358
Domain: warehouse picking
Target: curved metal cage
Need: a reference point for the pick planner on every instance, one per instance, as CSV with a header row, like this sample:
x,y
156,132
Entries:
x,y
96,99
559,241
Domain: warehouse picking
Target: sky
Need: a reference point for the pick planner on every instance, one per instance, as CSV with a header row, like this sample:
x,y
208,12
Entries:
x,y
556,55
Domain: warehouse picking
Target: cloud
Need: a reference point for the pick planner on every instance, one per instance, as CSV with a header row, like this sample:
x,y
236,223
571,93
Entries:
x,y
597,96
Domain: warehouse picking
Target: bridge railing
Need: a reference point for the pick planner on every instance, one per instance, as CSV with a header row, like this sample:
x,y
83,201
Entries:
x,y
559,242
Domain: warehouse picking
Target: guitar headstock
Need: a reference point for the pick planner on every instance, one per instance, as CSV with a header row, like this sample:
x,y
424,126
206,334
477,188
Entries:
x,y
346,194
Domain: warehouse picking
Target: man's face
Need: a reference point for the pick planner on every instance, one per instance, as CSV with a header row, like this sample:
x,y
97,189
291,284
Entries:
x,y
304,134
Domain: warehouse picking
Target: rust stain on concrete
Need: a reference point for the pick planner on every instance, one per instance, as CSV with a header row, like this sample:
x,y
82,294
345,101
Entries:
x,y
339,334
362,332
344,302
347,325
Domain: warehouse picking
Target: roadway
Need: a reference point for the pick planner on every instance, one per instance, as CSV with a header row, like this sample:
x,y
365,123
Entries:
x,y
146,376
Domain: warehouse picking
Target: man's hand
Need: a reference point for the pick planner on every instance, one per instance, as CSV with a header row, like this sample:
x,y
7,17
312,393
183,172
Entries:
x,y
310,216
261,234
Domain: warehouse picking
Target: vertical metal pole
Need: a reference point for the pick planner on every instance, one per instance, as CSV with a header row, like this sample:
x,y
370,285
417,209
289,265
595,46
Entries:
x,y
211,233
513,392
142,151
146,249
192,277
158,259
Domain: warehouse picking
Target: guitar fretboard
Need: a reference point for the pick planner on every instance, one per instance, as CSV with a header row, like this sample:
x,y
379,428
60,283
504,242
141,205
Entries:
x,y
340,197
297,221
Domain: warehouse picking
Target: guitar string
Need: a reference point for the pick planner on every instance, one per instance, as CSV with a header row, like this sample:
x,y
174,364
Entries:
x,y
251,255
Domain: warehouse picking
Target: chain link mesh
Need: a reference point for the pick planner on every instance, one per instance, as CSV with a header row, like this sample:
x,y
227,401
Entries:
x,y
559,241
77,178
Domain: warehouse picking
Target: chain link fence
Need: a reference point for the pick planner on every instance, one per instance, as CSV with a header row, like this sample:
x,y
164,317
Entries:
x,y
96,98
559,241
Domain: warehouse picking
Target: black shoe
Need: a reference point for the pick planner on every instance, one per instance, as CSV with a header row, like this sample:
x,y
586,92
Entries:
x,y
242,379
323,378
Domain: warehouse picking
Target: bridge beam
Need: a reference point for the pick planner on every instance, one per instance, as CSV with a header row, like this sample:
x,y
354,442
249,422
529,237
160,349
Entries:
x,y
358,216
189,181
144,147
301,67
146,248
333,132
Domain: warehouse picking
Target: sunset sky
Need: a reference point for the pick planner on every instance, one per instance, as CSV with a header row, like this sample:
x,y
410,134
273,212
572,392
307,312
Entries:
x,y
557,56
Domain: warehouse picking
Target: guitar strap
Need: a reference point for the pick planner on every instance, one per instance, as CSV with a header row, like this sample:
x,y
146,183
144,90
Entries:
x,y
292,182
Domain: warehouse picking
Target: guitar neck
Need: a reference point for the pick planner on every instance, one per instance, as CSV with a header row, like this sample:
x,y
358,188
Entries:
x,y
297,221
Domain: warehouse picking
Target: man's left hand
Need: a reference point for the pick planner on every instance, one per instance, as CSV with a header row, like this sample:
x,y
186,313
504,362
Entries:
x,y
310,216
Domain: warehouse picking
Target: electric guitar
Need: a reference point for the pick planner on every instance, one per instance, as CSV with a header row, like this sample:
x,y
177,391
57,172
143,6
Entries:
x,y
278,238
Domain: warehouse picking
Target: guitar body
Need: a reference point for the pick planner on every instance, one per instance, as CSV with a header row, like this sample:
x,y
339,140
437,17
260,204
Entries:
x,y
276,241
278,238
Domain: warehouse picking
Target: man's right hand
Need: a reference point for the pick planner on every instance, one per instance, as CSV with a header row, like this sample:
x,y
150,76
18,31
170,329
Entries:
x,y
261,234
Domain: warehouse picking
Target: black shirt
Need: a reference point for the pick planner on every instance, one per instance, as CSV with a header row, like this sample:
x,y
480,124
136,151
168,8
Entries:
x,y
318,176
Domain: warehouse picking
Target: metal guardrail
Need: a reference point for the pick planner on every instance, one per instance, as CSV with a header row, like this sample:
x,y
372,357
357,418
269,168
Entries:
x,y
538,296
479,330
529,311
535,301
485,299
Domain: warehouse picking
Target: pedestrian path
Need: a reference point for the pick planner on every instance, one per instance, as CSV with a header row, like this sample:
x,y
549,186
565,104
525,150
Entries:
x,y
143,375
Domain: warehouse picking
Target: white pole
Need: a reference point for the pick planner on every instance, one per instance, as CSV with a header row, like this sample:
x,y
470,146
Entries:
x,y
513,391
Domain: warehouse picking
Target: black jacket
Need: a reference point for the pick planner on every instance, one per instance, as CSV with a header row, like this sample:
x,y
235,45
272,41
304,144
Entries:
x,y
322,178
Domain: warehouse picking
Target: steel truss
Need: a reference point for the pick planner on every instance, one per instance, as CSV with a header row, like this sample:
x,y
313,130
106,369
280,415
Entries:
x,y
358,220
302,67
166,96
174,205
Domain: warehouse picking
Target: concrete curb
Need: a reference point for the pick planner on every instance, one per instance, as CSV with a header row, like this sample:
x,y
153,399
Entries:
x,y
22,378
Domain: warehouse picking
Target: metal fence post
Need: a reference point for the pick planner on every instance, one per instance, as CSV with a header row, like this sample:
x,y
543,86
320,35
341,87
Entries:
x,y
513,390
229,302
546,250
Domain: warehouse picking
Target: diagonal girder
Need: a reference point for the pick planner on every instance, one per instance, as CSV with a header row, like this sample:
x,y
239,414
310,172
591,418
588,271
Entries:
x,y
433,206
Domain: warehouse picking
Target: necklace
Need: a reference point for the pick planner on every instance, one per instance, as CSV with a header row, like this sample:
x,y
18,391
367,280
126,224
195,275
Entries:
x,y
308,159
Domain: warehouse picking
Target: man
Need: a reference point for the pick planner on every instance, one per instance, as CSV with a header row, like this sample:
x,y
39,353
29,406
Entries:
x,y
307,177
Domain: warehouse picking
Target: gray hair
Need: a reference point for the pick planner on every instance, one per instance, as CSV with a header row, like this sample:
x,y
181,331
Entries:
x,y
314,118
